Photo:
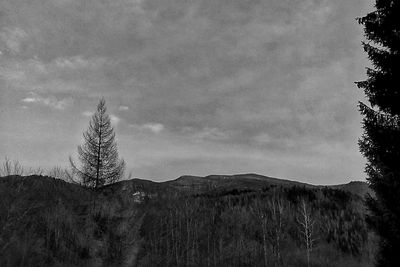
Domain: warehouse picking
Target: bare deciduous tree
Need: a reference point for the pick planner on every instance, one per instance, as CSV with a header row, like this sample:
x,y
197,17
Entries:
x,y
277,231
58,173
98,155
307,229
260,212
270,216
11,168
35,171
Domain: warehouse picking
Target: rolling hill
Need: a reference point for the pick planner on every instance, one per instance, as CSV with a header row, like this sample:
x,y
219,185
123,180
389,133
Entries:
x,y
214,183
48,222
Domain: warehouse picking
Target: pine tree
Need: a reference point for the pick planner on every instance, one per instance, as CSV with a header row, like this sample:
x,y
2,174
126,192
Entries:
x,y
380,143
98,155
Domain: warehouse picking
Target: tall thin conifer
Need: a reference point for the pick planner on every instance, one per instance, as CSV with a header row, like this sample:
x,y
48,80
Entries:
x,y
98,155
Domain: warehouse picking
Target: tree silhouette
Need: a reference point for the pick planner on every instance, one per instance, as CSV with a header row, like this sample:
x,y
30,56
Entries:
x,y
380,142
98,155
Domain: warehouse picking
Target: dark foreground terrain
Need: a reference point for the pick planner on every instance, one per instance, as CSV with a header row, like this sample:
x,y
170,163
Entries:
x,y
241,220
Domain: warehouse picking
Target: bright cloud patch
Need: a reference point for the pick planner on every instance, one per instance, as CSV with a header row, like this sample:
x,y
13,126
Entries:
x,y
78,62
50,101
114,119
123,108
154,127
87,113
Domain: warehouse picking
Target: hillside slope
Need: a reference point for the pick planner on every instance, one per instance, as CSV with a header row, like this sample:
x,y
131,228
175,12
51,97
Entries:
x,y
355,187
48,222
214,183
186,222
239,181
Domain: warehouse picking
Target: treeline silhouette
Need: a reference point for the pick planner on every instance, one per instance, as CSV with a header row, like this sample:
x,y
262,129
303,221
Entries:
x,y
49,222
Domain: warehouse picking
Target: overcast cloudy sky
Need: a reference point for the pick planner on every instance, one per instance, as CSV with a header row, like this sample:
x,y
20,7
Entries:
x,y
193,86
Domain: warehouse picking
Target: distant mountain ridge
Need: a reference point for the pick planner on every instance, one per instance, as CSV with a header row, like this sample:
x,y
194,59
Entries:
x,y
199,184
250,181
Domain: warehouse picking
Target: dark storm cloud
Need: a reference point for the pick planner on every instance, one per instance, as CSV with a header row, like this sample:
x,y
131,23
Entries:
x,y
272,77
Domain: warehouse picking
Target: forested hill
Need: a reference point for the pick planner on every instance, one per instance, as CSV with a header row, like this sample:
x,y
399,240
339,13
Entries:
x,y
239,220
215,183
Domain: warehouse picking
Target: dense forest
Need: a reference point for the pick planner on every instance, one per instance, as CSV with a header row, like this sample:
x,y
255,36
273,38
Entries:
x,y
49,222
274,226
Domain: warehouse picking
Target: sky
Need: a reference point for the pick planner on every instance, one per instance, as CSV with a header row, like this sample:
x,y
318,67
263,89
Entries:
x,y
193,87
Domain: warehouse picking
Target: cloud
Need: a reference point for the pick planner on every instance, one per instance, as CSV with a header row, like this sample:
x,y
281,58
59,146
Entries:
x,y
30,99
115,119
152,127
88,113
263,138
50,101
123,108
11,39
78,63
